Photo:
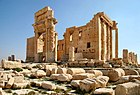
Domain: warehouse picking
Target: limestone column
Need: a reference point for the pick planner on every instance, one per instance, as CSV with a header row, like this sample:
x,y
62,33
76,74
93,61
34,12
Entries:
x,y
110,43
102,41
36,59
71,54
136,62
107,42
125,56
116,43
56,43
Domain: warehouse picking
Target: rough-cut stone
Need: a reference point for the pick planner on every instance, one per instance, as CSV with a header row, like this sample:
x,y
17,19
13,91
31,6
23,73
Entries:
x,y
73,71
104,91
39,73
18,79
82,76
64,77
75,83
11,64
54,76
130,88
95,72
115,74
48,85
20,85
123,79
131,77
91,84
107,65
131,72
102,81
10,82
61,71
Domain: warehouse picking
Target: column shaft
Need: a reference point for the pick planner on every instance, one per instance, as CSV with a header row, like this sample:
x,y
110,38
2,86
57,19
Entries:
x,y
116,43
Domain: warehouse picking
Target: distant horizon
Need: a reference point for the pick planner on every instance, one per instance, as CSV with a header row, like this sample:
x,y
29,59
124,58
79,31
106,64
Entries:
x,y
17,19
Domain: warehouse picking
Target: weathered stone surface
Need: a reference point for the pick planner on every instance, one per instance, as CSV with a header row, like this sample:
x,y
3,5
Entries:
x,y
73,71
95,72
107,65
61,71
20,85
82,76
54,76
10,82
48,85
123,79
11,64
104,91
25,92
39,73
25,72
64,77
131,77
102,81
131,72
75,83
115,74
129,88
18,79
91,84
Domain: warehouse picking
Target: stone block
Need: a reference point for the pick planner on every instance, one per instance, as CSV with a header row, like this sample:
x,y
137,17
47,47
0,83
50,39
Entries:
x,y
73,71
61,71
116,74
131,72
18,79
48,85
64,77
10,64
91,84
54,76
20,85
130,88
104,91
75,83
10,83
95,72
39,74
82,76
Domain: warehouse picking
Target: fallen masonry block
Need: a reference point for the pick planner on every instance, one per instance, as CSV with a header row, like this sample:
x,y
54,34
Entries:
x,y
82,76
91,84
64,77
104,91
116,74
48,85
73,71
130,88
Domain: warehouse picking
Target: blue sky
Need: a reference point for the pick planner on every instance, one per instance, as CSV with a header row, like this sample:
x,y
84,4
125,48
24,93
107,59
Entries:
x,y
17,17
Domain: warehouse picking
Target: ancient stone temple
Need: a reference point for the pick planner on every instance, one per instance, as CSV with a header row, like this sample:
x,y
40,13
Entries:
x,y
92,41
43,46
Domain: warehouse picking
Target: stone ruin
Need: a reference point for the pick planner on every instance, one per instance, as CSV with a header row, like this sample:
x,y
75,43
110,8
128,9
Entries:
x,y
92,66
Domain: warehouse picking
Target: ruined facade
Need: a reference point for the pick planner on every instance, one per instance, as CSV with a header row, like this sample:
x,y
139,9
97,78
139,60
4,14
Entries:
x,y
43,46
92,41
129,57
